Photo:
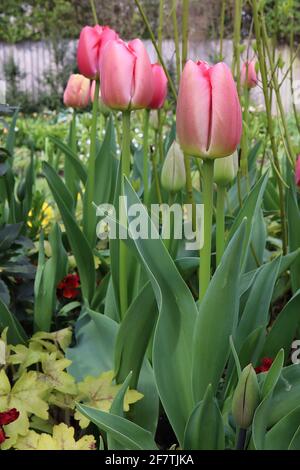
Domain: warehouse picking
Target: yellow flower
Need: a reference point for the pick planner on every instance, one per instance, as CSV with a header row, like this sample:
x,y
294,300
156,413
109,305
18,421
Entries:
x,y
45,217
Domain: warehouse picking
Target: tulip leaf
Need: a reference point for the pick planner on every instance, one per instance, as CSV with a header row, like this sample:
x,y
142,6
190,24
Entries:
x,y
281,435
172,348
260,420
295,442
293,219
72,158
250,210
15,334
256,311
79,244
205,429
128,434
117,408
284,328
134,335
218,307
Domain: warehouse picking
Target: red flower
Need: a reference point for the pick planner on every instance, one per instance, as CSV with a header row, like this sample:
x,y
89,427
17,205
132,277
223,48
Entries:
x,y
266,363
7,417
68,287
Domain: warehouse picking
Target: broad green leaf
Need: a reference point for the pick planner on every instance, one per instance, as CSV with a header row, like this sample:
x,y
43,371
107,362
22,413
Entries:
x,y
250,210
15,334
79,244
218,307
104,166
134,335
129,434
117,408
71,156
295,442
260,420
94,354
293,222
172,346
256,311
50,273
284,328
286,394
281,435
205,428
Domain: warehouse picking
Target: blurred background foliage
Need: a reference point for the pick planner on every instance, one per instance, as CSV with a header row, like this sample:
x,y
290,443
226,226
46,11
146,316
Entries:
x,y
39,19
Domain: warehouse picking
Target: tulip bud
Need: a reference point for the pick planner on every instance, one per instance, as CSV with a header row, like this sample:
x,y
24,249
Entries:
x,y
173,175
90,46
245,398
248,75
209,116
225,169
102,108
297,172
126,75
77,92
160,84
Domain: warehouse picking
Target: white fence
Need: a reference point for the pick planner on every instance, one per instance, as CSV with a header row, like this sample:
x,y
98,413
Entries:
x,y
36,59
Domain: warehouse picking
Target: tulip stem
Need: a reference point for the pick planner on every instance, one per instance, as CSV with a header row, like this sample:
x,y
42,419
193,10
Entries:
x,y
145,155
89,214
189,189
185,30
244,142
236,44
241,439
176,39
205,252
94,12
220,216
125,168
222,24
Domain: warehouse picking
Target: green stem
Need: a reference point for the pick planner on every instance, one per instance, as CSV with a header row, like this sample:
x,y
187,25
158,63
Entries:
x,y
160,135
185,30
222,23
176,39
94,13
244,142
220,216
264,77
145,155
155,172
152,37
236,65
292,72
125,168
189,189
89,215
205,252
241,439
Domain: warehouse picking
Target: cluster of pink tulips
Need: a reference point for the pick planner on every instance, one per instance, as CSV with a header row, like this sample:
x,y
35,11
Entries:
x,y
128,79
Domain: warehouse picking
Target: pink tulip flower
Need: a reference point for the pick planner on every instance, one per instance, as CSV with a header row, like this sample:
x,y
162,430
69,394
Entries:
x,y
160,83
90,45
297,172
248,75
126,75
77,92
209,116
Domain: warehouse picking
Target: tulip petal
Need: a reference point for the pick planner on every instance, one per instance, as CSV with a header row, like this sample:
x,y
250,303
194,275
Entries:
x,y
160,83
193,109
226,116
117,69
142,91
87,52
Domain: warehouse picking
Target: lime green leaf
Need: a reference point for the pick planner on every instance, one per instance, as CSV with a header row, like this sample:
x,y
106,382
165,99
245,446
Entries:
x,y
55,376
128,434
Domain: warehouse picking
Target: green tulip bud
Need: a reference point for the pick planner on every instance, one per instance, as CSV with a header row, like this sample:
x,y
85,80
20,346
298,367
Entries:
x,y
245,398
154,119
225,169
173,175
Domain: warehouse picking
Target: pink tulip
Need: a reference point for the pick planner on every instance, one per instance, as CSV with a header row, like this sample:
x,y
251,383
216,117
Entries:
x,y
209,116
77,92
126,75
160,83
248,74
297,172
90,45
